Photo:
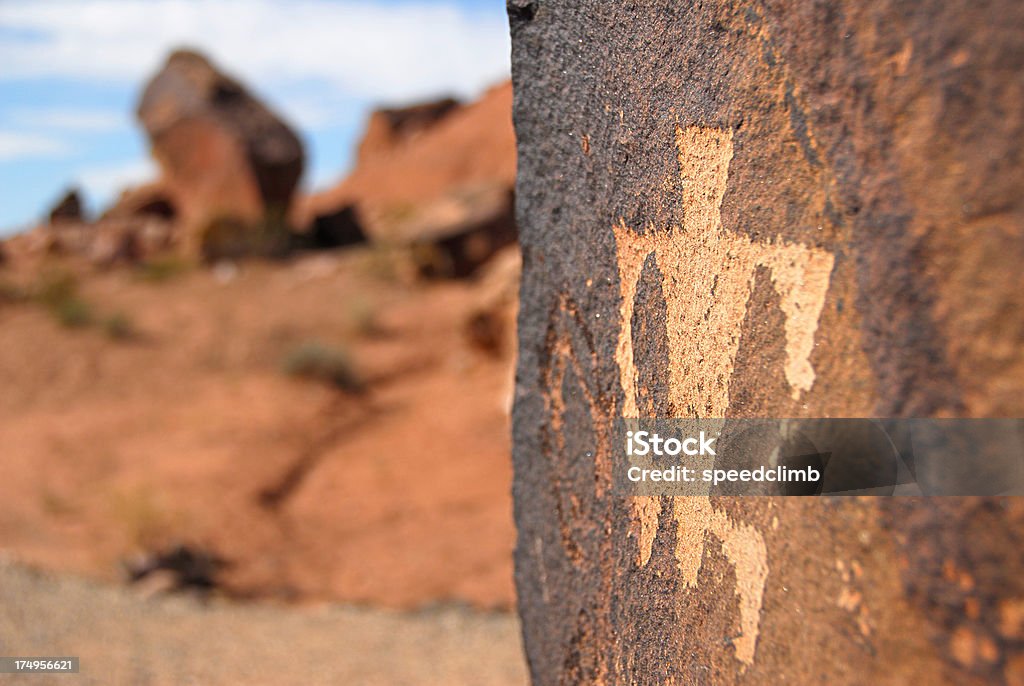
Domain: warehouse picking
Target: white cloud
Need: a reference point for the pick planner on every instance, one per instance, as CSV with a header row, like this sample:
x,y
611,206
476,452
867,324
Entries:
x,y
103,182
358,48
69,119
17,145
307,113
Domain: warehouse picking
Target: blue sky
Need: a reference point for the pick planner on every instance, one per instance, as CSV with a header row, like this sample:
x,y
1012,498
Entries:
x,y
71,71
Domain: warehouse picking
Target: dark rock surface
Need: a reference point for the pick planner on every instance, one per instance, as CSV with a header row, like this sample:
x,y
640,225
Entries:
x,y
455,234
67,210
765,209
337,229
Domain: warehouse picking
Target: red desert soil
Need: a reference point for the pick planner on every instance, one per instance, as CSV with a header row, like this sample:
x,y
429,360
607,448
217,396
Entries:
x,y
191,433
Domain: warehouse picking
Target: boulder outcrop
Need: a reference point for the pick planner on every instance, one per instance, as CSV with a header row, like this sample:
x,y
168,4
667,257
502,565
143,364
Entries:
x,y
437,177
230,163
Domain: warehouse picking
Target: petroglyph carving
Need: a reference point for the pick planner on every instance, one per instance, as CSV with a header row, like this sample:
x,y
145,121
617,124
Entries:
x,y
707,276
565,333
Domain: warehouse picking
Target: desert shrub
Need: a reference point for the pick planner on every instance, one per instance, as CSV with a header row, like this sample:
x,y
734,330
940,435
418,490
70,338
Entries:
x,y
142,516
397,213
53,503
73,313
362,315
387,263
164,268
231,238
55,287
325,363
119,326
57,291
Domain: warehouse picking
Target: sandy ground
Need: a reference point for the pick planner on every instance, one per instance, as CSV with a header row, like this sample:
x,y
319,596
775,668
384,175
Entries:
x,y
122,638
397,498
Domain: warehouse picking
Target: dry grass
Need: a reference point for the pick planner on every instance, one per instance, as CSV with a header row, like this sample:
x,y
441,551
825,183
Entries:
x,y
329,364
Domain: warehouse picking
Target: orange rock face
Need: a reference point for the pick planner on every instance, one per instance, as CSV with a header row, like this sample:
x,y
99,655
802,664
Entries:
x,y
388,129
429,171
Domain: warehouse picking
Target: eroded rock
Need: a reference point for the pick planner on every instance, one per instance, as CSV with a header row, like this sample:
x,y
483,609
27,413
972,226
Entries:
x,y
230,163
437,177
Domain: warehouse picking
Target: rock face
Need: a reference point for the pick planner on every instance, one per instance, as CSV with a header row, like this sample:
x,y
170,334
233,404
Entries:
x,y
765,209
68,209
230,163
436,176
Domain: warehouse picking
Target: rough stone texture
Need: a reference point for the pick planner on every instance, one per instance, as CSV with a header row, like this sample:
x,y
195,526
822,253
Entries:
x,y
227,159
765,209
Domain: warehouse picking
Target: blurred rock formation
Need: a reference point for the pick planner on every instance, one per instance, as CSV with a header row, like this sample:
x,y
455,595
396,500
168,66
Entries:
x,y
230,164
68,209
437,177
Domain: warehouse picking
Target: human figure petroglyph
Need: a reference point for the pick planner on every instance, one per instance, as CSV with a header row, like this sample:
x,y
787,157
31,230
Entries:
x,y
707,276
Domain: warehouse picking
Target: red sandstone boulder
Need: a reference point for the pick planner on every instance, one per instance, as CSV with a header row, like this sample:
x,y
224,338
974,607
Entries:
x,y
388,129
437,177
229,163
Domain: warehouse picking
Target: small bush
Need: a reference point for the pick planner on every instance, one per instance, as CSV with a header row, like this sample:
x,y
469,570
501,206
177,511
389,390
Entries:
x,y
363,319
388,263
164,268
55,288
327,364
142,516
57,291
119,327
230,238
73,313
